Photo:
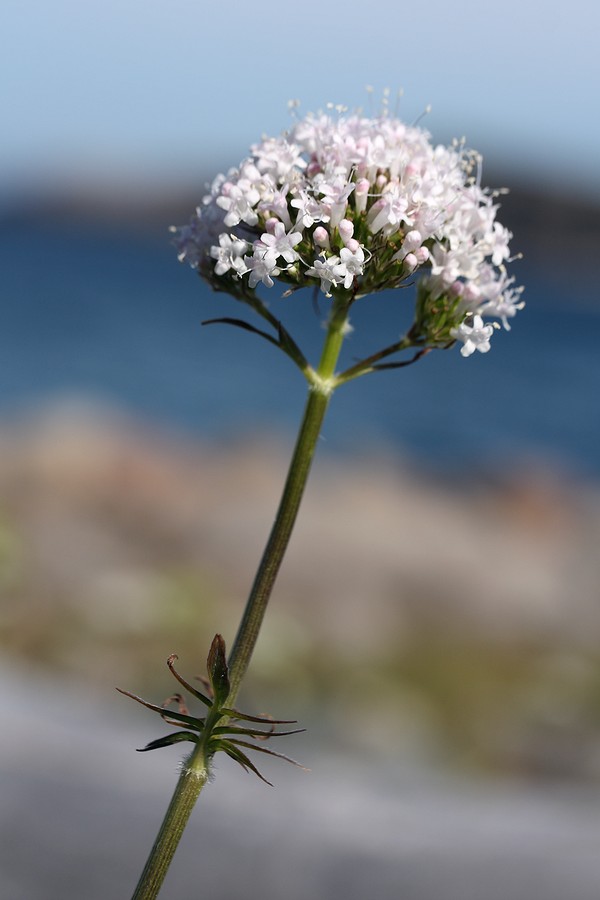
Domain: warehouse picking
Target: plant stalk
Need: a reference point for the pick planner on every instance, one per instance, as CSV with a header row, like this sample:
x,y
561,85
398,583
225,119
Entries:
x,y
195,769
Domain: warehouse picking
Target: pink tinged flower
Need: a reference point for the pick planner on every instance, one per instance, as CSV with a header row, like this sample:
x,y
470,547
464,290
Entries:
x,y
327,271
229,255
261,265
474,335
410,261
278,243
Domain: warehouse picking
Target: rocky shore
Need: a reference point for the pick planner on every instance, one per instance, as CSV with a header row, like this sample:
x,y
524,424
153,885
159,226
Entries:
x,y
470,610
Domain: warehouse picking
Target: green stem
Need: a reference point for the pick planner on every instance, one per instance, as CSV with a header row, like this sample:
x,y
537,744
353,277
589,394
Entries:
x,y
320,391
192,779
194,772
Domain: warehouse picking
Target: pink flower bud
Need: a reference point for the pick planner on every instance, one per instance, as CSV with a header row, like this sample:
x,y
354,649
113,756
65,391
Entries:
x,y
352,245
270,224
410,261
346,230
412,240
361,190
321,238
422,254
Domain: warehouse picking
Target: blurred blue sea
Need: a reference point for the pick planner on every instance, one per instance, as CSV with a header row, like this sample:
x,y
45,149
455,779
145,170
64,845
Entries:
x,y
109,314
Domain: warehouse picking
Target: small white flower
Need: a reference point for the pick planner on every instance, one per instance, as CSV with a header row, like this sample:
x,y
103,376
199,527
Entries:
x,y
351,265
239,206
474,335
328,271
505,307
309,210
229,255
261,265
281,244
390,210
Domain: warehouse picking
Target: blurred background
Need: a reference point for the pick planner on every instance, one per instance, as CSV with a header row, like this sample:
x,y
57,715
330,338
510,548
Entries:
x,y
437,621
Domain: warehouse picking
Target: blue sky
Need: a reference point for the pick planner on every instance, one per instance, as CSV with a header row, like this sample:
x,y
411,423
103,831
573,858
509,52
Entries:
x,y
157,90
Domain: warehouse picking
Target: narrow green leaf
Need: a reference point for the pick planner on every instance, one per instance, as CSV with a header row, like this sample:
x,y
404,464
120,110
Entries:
x,y
266,750
242,759
264,720
199,696
170,739
239,323
253,732
166,714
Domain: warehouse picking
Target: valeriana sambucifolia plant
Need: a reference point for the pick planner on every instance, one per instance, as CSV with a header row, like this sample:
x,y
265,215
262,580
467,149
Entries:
x,y
348,206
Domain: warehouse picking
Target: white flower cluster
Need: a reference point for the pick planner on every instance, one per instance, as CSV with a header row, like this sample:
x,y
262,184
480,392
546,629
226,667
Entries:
x,y
356,205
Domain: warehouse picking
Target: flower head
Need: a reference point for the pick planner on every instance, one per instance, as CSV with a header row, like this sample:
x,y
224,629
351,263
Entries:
x,y
354,205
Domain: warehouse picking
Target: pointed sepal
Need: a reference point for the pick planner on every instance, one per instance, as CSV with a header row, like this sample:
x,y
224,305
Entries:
x,y
218,671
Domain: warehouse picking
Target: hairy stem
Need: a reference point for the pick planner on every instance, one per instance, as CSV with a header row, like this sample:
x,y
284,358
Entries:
x,y
192,779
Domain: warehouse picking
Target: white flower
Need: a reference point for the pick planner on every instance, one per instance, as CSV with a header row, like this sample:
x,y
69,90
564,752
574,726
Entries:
x,y
281,244
351,265
335,192
261,265
229,255
328,271
474,335
239,205
505,306
390,210
309,210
